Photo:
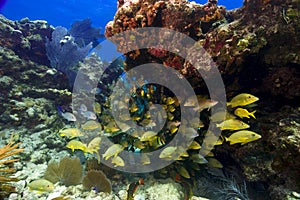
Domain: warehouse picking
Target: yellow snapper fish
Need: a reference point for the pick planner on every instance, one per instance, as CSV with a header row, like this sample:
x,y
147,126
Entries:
x,y
91,125
168,152
242,137
139,144
111,128
242,100
197,158
183,172
114,150
118,161
157,141
214,163
181,151
173,129
171,108
194,145
97,108
94,146
133,108
70,133
189,132
170,101
241,112
148,135
76,144
41,185
123,126
232,124
196,123
219,116
145,160
211,140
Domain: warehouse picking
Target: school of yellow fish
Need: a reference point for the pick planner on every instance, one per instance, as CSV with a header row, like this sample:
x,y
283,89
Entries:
x,y
233,130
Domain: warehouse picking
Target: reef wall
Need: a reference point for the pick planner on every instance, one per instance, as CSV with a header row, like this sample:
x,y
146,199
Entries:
x,y
256,48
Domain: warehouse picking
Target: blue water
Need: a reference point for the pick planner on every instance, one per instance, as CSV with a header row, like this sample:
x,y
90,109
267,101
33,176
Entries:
x,y
65,12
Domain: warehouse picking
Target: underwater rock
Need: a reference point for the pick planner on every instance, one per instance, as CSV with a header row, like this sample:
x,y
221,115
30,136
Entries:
x,y
160,189
26,38
29,92
273,161
247,43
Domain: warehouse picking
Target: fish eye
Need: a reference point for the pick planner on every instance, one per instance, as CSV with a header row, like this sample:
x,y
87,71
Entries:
x,y
253,135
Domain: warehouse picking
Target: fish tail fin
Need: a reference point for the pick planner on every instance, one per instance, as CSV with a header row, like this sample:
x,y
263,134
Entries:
x,y
225,138
252,114
228,104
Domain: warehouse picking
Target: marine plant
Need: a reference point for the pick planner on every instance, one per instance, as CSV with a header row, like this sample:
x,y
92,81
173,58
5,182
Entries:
x,y
64,53
6,169
230,189
96,180
68,171
84,33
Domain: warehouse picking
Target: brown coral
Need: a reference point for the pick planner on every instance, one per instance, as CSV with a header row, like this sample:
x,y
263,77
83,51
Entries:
x,y
68,171
96,180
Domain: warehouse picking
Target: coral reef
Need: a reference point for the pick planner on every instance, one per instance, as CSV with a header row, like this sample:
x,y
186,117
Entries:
x,y
256,48
234,39
26,38
29,92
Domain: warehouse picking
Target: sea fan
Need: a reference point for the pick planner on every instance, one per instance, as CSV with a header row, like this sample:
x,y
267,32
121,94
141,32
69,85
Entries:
x,y
84,33
68,171
231,190
95,179
63,52
215,185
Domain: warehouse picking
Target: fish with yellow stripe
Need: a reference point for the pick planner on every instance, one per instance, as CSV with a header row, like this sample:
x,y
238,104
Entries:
x,y
232,124
244,113
243,99
242,137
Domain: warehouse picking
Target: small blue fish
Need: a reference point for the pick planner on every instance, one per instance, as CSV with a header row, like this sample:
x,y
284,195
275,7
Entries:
x,y
67,115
